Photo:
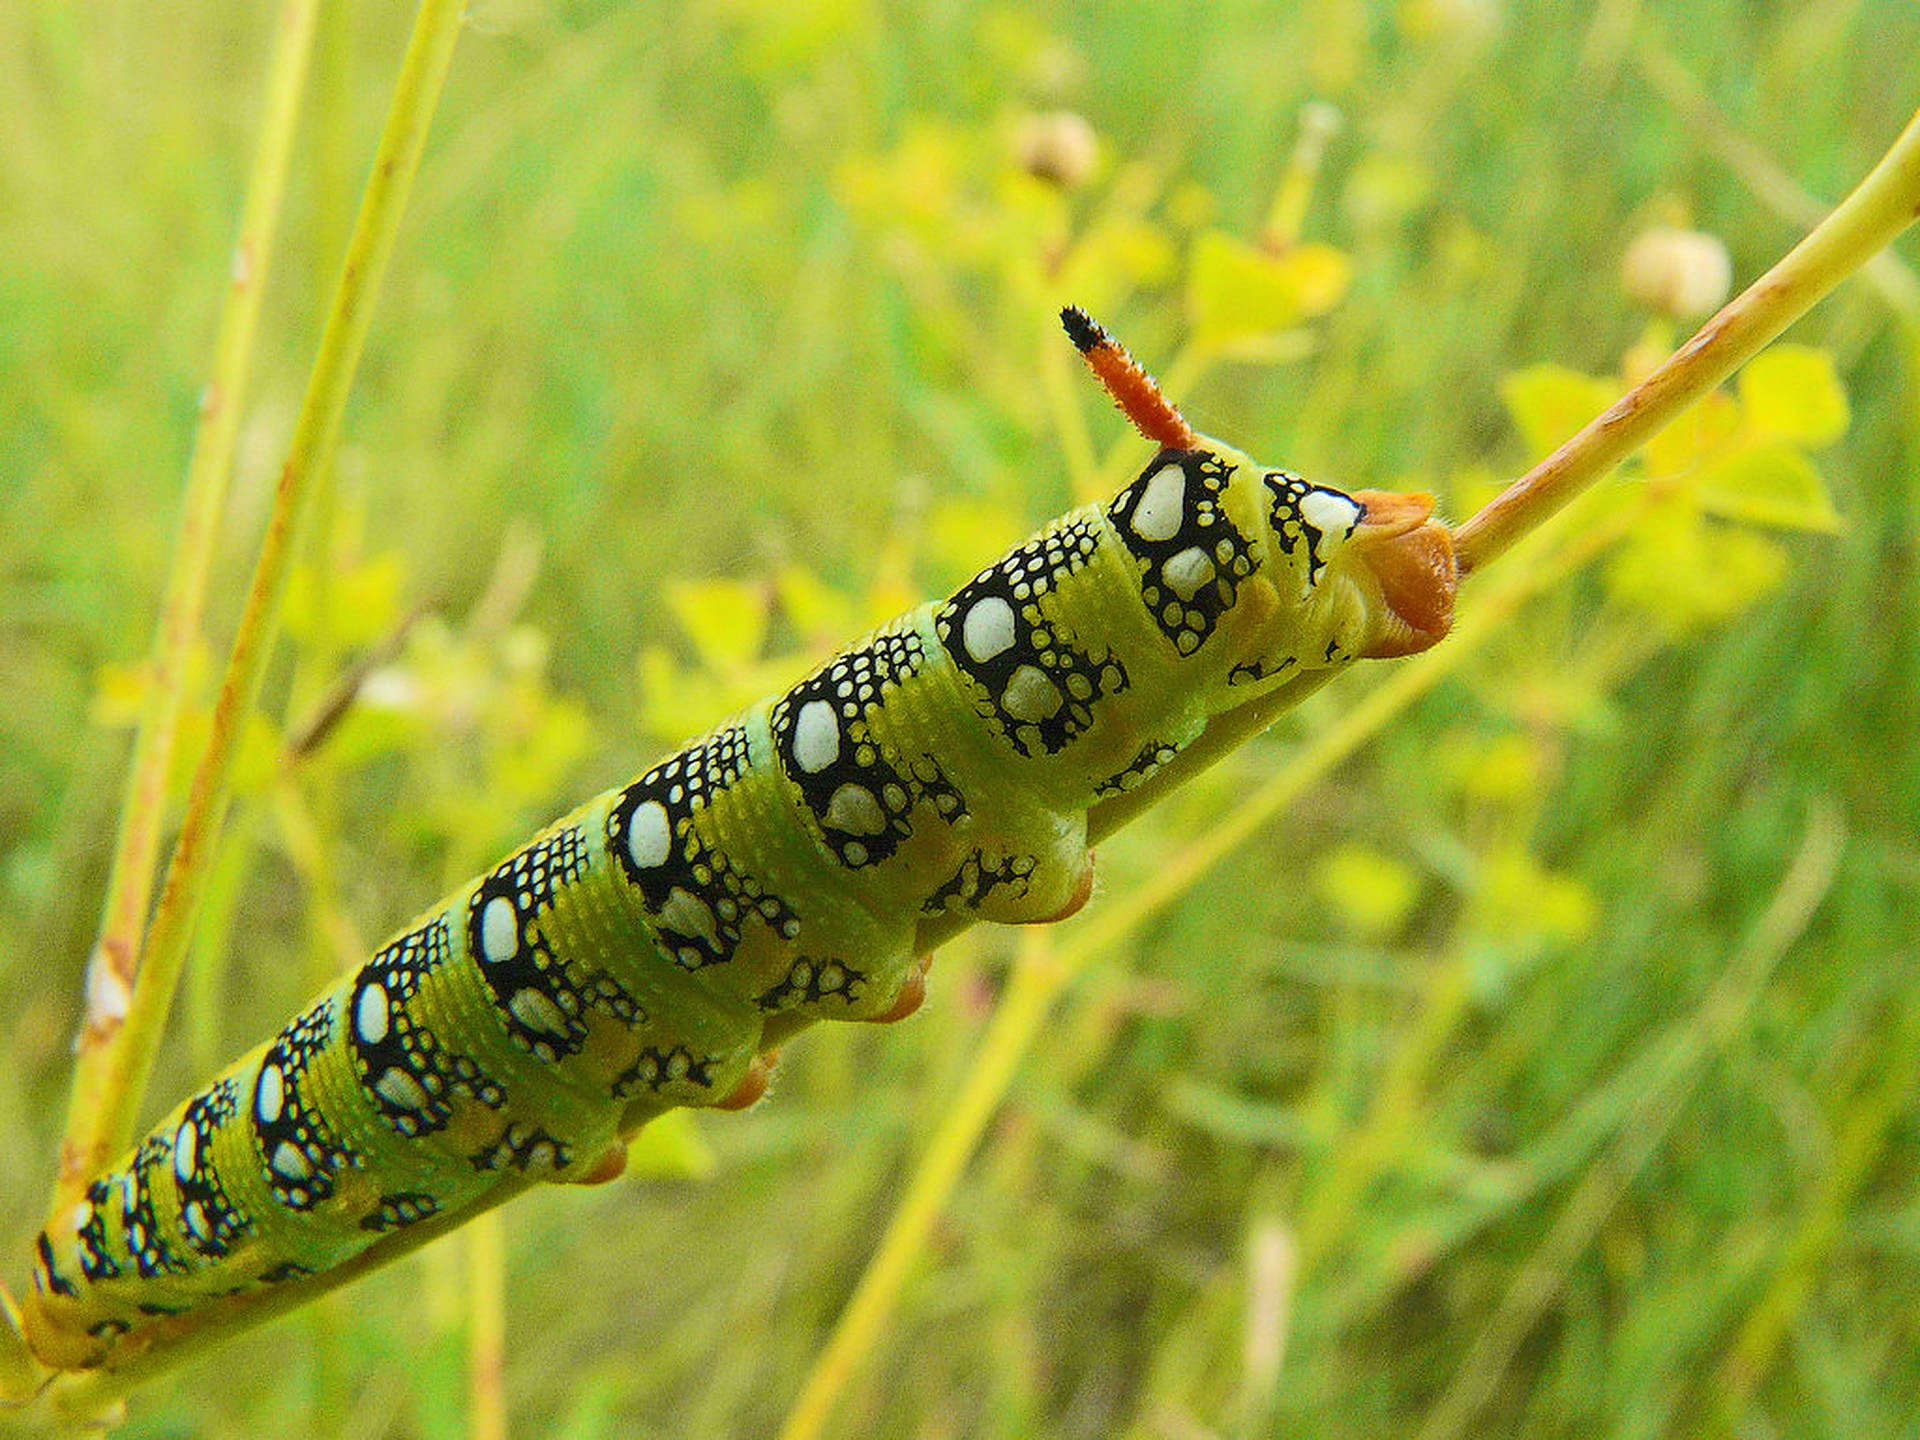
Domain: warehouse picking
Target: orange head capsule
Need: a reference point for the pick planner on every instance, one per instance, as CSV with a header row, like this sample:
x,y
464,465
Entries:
x,y
1410,555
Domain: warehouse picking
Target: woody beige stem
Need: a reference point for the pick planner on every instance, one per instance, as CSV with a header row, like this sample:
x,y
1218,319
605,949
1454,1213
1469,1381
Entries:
x,y
113,968
116,1072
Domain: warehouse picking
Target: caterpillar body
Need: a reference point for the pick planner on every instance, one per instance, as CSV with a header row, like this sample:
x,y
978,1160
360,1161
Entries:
x,y
629,958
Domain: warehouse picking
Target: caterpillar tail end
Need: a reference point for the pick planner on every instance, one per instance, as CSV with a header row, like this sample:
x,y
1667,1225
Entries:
x,y
1411,558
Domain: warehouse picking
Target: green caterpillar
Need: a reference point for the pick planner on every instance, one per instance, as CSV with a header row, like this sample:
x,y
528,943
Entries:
x,y
628,959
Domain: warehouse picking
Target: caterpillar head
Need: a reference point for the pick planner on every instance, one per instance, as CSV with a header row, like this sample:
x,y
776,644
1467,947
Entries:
x,y
1376,560
1376,563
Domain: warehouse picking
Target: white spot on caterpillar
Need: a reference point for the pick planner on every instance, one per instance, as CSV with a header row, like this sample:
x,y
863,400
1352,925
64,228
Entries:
x,y
370,1014
1186,572
687,914
535,1011
1334,515
1030,695
269,1094
1162,503
499,930
854,810
186,1150
82,1214
649,836
988,629
290,1162
196,1220
399,1088
816,737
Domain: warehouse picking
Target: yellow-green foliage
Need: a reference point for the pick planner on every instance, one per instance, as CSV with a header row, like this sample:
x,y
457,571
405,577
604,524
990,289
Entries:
x,y
1517,1080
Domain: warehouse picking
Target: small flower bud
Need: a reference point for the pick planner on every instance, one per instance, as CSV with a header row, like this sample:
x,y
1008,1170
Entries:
x,y
1679,272
1058,146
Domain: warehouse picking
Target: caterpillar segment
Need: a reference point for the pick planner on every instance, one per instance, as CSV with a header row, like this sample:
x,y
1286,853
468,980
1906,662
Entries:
x,y
628,959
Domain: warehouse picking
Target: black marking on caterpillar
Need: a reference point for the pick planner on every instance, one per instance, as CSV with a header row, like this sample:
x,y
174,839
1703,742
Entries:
x,y
1191,557
853,786
496,1029
299,1151
977,878
399,1210
810,981
525,1148
138,1217
695,899
658,1068
1312,514
1029,678
541,996
96,1263
208,1218
48,1275
1251,672
1153,755
406,1071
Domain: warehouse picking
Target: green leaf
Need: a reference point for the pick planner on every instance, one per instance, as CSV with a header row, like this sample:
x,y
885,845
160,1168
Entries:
x,y
1792,391
672,1147
1685,572
363,601
1696,438
1550,403
1235,290
1520,914
1769,483
725,619
818,612
1372,892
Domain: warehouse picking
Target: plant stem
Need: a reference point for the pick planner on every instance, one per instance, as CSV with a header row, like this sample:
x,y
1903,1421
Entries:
x,y
112,972
1044,970
1718,1019
1880,207
113,1082
1883,204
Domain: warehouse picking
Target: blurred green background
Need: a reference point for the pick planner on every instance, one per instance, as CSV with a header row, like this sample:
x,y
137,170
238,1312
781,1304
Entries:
x,y
1549,1070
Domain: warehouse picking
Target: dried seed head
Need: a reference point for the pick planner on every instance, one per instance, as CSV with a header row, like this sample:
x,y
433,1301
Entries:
x,y
1057,146
1682,273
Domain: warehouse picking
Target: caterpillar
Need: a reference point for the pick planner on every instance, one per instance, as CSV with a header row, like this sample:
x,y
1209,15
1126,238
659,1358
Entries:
x,y
631,957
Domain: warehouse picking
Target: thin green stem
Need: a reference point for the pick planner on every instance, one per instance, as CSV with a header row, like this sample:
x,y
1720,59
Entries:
x,y
1718,1019
119,1075
1880,207
1883,205
1044,970
90,1136
487,1328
